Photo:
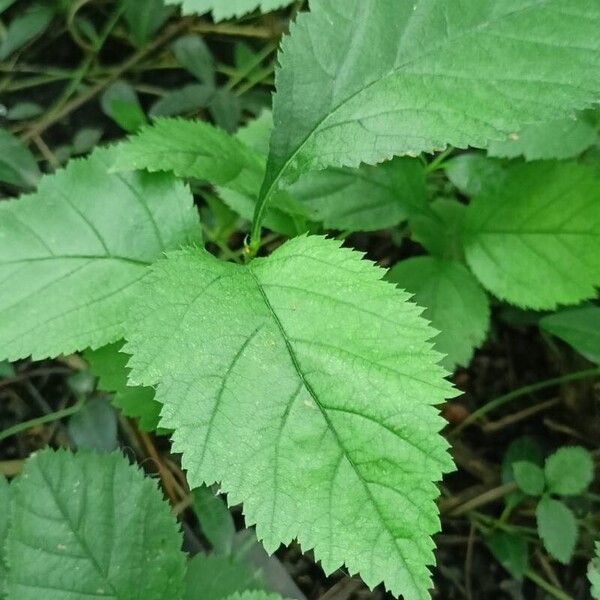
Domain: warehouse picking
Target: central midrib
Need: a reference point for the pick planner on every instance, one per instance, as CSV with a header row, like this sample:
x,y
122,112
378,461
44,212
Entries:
x,y
328,421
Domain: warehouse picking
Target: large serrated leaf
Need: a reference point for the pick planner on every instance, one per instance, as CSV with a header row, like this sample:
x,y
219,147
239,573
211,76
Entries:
x,y
362,80
324,376
535,240
227,9
87,525
73,254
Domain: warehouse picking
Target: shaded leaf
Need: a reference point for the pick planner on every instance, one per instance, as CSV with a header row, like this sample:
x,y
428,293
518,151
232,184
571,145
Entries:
x,y
215,519
90,524
579,327
143,24
25,26
109,365
455,304
193,55
557,528
17,165
121,103
529,477
510,551
569,471
212,577
94,427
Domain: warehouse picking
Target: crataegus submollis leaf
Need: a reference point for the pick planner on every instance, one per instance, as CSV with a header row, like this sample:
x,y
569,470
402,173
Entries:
x,y
325,378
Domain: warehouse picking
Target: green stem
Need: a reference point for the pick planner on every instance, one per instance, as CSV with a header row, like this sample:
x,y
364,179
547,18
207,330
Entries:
x,y
37,422
248,69
547,587
439,160
524,391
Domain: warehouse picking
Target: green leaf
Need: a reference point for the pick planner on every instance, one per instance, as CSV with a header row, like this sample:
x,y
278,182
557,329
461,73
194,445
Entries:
x,y
29,24
4,521
557,528
6,369
110,366
229,9
94,427
212,577
579,327
364,199
389,78
454,301
72,255
510,551
191,149
88,525
215,519
24,110
535,240
569,471
594,573
193,55
226,110
4,4
143,24
472,172
529,477
439,230
183,101
557,139
121,103
17,165
304,358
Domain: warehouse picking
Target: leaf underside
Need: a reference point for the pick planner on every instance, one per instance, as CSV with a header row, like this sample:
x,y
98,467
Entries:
x,y
91,525
72,255
390,77
325,377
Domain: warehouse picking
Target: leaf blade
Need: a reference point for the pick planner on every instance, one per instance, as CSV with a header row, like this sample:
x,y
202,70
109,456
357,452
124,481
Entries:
x,y
359,58
280,361
90,529
525,247
76,250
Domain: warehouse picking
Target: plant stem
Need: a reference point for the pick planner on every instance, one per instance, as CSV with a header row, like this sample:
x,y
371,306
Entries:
x,y
439,160
38,421
547,587
52,117
523,391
